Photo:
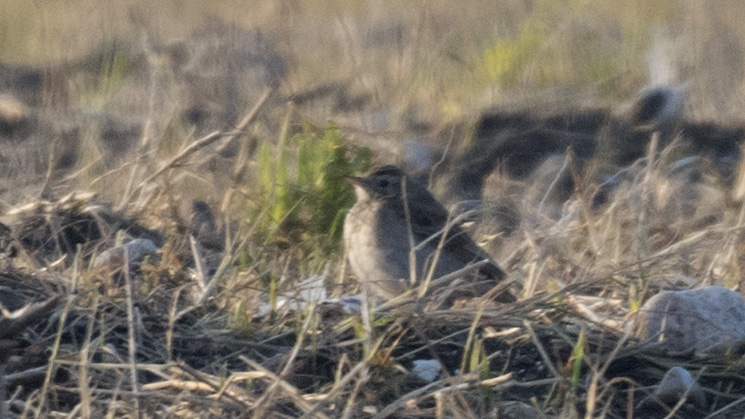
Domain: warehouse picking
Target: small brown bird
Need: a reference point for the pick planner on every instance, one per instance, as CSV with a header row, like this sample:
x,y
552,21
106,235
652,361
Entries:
x,y
376,238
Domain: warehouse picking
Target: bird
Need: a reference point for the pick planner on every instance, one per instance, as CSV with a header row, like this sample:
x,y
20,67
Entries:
x,y
379,231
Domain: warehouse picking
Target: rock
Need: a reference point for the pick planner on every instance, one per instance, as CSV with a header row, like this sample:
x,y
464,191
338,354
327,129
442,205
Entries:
x,y
678,383
136,251
311,291
427,369
700,320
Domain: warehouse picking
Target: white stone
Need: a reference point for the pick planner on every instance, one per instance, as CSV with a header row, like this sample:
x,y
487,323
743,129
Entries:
x,y
678,383
136,251
427,369
700,320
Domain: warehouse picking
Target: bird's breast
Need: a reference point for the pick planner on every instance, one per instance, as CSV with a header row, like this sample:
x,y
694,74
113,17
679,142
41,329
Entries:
x,y
375,254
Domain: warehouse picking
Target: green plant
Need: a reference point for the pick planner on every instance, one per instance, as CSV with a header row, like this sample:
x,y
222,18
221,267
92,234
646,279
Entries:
x,y
578,356
506,59
303,187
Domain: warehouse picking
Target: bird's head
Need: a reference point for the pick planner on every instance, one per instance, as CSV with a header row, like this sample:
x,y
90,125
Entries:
x,y
384,183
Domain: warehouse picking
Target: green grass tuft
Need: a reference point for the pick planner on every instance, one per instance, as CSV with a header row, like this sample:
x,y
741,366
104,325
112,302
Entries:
x,y
302,183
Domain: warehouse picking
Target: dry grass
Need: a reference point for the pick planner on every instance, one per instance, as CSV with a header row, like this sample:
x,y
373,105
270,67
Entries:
x,y
225,332
159,342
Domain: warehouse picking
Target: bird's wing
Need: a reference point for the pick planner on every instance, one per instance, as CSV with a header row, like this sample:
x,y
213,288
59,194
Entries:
x,y
429,217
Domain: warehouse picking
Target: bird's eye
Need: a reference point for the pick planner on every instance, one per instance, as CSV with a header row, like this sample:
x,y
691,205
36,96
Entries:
x,y
383,183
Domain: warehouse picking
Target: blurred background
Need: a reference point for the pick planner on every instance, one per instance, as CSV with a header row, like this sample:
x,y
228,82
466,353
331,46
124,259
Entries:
x,y
95,79
431,54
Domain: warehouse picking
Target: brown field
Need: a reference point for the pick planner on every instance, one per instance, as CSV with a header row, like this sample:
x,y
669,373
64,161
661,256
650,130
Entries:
x,y
222,132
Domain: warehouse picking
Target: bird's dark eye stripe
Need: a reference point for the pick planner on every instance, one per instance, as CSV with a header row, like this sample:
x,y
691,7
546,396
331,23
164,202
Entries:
x,y
383,183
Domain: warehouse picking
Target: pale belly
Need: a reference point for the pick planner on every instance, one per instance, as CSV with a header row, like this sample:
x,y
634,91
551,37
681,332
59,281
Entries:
x,y
380,257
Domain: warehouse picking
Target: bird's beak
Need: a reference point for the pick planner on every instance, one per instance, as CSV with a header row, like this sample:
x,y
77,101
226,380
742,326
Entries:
x,y
356,181
361,187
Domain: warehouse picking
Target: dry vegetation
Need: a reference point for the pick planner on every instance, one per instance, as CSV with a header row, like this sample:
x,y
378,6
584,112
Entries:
x,y
260,109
